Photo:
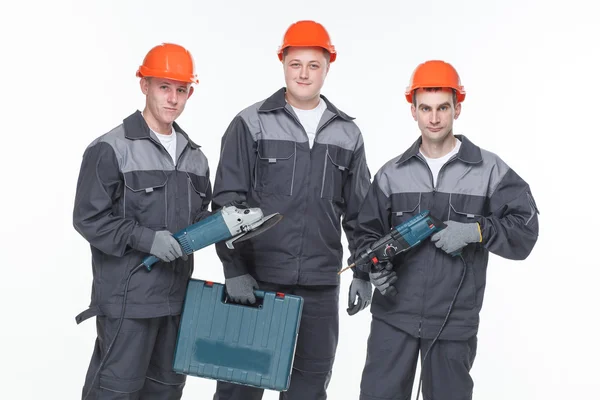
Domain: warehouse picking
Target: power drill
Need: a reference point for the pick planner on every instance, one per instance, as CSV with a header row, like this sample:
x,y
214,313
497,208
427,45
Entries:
x,y
400,239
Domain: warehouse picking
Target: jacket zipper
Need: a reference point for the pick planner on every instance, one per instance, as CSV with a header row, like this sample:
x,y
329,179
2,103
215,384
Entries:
x,y
305,197
434,191
308,182
175,164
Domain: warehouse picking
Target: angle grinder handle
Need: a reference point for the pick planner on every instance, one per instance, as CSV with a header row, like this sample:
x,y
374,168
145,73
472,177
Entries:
x,y
149,262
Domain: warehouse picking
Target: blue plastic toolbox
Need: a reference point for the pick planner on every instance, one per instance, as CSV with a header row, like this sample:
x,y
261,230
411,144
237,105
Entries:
x,y
246,344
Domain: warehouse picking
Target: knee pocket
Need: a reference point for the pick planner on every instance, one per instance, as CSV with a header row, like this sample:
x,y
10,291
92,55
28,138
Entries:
x,y
121,385
169,378
317,366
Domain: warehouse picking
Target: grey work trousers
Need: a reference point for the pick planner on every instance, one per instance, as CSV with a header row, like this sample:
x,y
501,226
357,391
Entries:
x,y
315,349
140,363
392,355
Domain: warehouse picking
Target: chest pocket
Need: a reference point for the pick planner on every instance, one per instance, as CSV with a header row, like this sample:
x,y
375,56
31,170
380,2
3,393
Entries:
x,y
466,208
145,197
197,192
404,206
275,167
335,172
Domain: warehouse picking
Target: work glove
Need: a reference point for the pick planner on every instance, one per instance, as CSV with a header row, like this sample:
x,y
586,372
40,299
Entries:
x,y
241,289
241,204
383,279
456,236
165,247
202,215
361,292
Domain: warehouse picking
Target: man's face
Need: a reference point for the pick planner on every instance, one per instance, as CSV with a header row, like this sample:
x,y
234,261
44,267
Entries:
x,y
435,113
165,98
305,69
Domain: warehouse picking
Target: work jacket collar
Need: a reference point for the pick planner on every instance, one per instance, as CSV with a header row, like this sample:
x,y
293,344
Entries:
x,y
136,128
277,102
468,152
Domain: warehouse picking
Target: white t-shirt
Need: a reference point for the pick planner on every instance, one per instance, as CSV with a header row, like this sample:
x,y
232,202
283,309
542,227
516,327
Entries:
x,y
435,164
169,142
310,119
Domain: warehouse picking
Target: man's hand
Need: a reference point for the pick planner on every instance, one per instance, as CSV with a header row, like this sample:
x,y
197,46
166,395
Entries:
x,y
361,291
241,289
456,236
238,204
202,215
384,279
166,248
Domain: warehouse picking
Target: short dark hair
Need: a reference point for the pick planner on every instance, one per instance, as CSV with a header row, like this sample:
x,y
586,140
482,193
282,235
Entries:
x,y
325,53
433,89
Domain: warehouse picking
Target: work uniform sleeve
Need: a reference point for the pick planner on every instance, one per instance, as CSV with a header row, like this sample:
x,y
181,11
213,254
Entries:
x,y
99,187
233,181
511,230
354,192
373,222
204,212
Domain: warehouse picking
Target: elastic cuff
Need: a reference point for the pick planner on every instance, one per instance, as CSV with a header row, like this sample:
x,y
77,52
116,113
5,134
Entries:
x,y
361,275
233,270
144,238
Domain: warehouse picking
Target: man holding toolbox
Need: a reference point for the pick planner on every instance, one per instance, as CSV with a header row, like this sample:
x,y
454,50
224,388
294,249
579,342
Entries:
x,y
295,153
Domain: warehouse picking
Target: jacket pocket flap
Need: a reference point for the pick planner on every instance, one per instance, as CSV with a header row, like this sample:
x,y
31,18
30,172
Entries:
x,y
145,180
339,157
199,183
405,203
273,150
469,206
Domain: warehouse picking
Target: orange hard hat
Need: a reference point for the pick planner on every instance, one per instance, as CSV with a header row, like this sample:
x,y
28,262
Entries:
x,y
170,61
307,34
435,73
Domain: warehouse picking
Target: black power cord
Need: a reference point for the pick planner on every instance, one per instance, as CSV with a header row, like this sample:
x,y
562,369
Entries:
x,y
443,324
121,318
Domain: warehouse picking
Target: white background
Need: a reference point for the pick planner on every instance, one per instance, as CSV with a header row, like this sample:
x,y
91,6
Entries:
x,y
531,74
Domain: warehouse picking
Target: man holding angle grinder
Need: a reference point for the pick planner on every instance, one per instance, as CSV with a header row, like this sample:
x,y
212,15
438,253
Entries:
x,y
429,298
139,183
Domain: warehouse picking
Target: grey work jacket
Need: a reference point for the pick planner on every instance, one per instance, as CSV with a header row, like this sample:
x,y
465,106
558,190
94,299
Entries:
x,y
129,188
266,161
473,186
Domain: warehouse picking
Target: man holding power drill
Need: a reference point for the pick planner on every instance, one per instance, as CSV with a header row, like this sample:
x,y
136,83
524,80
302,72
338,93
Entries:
x,y
487,208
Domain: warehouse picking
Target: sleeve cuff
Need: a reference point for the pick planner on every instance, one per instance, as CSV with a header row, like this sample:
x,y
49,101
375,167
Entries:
x,y
361,275
235,267
143,238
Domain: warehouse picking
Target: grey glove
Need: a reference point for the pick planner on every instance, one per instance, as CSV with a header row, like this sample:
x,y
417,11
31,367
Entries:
x,y
165,247
456,236
202,215
241,289
384,279
361,292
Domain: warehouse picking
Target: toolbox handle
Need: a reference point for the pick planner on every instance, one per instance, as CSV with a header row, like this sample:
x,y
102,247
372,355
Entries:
x,y
260,296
